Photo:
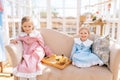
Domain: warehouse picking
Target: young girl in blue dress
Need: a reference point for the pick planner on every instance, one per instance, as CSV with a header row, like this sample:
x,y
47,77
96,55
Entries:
x,y
81,54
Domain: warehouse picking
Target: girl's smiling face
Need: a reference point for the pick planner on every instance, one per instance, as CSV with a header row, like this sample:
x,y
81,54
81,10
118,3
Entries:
x,y
27,27
83,33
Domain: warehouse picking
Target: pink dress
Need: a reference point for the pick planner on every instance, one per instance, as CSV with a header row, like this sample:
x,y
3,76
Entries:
x,y
33,53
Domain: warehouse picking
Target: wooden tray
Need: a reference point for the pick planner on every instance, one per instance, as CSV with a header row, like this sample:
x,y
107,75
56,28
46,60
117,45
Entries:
x,y
57,61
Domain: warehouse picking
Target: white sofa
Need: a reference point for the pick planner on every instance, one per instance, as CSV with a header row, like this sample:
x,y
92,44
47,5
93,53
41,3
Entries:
x,y
62,44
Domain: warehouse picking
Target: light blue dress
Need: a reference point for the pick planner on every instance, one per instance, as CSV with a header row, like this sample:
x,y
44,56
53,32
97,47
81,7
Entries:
x,y
81,54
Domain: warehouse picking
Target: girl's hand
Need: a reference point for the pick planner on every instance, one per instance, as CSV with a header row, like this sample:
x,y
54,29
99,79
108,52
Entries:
x,y
13,41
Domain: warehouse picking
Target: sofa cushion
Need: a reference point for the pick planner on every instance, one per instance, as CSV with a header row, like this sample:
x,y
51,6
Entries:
x,y
101,49
59,43
74,73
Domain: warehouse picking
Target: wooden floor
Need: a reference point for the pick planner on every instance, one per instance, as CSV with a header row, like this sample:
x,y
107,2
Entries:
x,y
6,78
6,75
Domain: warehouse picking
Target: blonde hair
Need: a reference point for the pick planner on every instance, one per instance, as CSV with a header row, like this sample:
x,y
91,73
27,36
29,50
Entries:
x,y
26,19
84,28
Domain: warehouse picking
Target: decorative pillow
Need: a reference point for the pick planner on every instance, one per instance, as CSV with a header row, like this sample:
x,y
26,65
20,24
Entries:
x,y
101,49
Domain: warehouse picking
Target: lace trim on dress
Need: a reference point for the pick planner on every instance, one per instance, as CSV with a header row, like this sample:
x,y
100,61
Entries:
x,y
26,75
86,43
100,63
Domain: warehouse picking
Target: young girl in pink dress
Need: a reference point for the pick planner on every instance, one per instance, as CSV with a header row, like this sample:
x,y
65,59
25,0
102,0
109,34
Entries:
x,y
33,50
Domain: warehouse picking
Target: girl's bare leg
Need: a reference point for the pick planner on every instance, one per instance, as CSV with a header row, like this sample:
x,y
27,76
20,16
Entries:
x,y
24,78
34,78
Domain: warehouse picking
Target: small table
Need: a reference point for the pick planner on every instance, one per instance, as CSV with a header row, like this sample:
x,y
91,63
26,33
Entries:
x,y
94,24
